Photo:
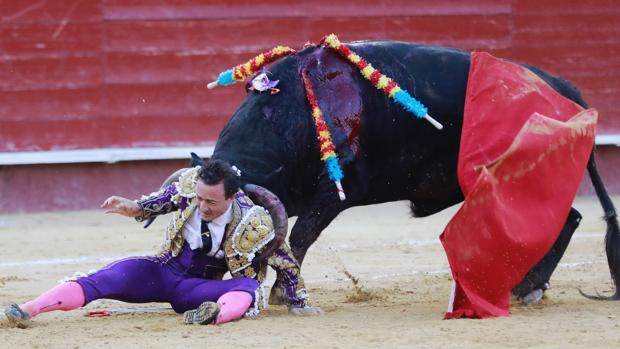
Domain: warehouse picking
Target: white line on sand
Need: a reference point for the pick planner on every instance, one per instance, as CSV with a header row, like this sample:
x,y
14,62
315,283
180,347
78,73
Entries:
x,y
93,259
335,248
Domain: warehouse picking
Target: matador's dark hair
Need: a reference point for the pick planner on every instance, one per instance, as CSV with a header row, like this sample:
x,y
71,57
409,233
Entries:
x,y
215,171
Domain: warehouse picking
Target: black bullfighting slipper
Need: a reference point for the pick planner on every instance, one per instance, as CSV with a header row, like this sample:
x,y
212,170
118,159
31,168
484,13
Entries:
x,y
16,316
205,314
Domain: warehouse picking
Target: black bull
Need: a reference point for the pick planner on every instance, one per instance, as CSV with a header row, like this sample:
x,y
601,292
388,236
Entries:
x,y
385,152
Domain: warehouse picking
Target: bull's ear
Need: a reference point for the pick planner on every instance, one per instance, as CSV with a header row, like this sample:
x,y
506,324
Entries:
x,y
196,160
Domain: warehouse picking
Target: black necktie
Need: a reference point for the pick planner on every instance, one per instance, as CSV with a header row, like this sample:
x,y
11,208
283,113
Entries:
x,y
205,234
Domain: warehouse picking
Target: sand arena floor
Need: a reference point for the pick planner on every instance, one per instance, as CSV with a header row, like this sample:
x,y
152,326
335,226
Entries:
x,y
401,293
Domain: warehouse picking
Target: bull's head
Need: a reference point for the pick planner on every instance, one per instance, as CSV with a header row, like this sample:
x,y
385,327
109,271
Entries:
x,y
272,138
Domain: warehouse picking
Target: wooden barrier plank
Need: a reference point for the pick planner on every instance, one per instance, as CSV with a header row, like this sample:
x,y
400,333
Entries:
x,y
79,186
69,72
38,40
559,7
143,131
217,36
170,100
167,67
37,11
50,105
571,60
466,32
560,30
146,10
249,35
123,100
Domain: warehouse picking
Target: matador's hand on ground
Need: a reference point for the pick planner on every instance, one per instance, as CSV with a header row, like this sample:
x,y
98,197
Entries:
x,y
305,311
121,205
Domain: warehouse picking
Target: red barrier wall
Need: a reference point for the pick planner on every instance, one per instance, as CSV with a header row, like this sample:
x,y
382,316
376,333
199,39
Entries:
x,y
133,73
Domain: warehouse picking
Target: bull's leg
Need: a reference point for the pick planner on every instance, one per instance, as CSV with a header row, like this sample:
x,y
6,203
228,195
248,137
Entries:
x,y
323,208
531,288
310,224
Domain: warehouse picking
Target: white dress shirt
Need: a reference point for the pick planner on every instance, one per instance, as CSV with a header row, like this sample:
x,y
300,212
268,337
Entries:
x,y
191,231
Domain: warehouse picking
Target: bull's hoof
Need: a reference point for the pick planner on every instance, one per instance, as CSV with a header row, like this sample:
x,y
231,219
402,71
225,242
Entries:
x,y
533,297
277,297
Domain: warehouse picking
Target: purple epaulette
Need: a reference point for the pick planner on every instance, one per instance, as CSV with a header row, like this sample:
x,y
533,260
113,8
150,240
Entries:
x,y
243,200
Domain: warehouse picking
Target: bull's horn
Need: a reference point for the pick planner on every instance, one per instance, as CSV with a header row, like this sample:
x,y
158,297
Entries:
x,y
263,197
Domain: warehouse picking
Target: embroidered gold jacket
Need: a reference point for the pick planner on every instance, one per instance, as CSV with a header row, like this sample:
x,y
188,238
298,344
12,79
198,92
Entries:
x,y
251,229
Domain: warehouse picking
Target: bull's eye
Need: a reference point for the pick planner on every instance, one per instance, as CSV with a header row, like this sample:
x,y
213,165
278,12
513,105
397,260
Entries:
x,y
332,75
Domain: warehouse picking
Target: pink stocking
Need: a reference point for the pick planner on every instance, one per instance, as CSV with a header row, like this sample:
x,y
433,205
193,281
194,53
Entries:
x,y
233,305
66,296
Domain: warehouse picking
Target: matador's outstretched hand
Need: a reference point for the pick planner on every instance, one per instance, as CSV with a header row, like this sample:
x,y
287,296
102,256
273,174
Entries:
x,y
122,206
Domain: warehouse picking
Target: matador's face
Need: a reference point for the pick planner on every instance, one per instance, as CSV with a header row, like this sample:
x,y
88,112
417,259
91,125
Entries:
x,y
212,202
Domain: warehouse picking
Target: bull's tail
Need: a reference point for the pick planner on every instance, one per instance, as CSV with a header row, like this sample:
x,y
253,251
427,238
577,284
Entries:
x,y
612,238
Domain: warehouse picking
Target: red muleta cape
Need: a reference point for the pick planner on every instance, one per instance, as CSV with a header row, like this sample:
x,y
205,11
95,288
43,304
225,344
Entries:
x,y
523,153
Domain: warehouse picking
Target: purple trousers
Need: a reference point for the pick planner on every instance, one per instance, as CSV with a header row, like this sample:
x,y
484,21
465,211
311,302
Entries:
x,y
177,280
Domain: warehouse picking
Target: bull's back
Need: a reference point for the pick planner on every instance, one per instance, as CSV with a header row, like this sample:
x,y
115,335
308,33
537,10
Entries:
x,y
405,157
